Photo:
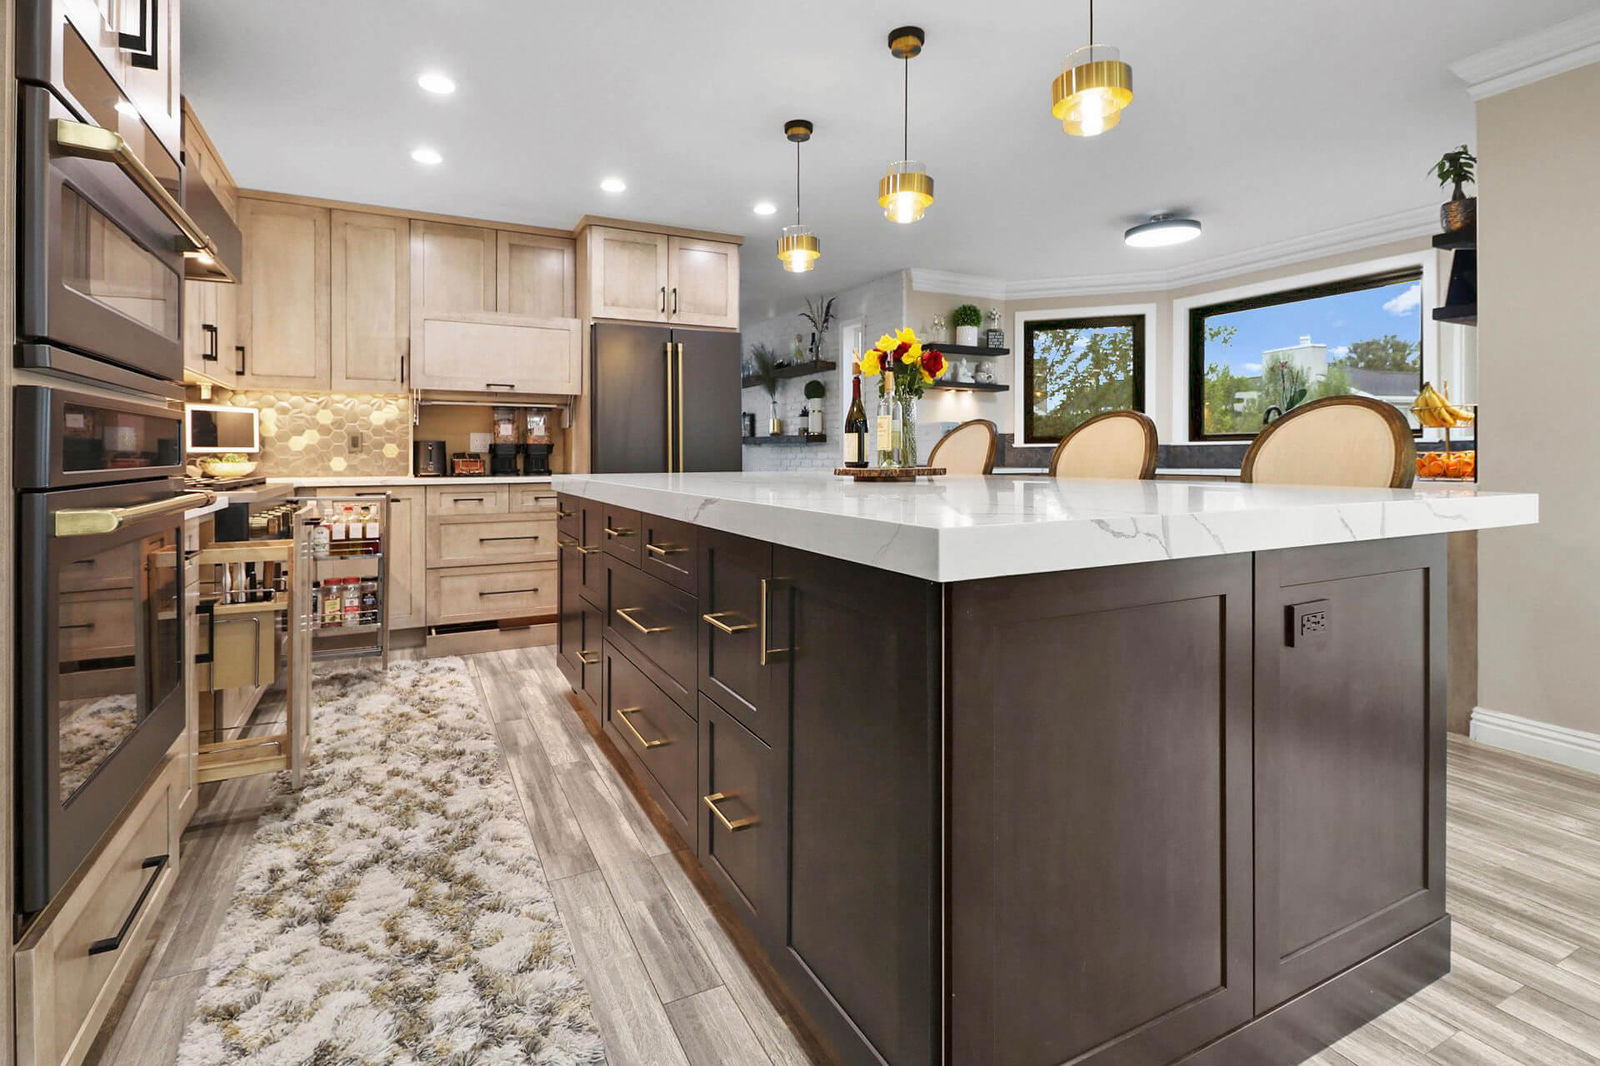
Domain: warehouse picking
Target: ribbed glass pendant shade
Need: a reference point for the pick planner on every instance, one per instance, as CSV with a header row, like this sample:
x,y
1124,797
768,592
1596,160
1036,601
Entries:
x,y
799,249
905,191
1092,90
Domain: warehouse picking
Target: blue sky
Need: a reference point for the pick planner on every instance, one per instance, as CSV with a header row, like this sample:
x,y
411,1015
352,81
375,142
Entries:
x,y
1332,320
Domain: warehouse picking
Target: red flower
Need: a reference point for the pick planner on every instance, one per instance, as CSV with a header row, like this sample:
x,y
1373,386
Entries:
x,y
901,349
933,362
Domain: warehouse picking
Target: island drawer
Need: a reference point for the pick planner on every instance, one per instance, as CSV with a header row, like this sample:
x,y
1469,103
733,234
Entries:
x,y
742,826
661,736
478,541
619,531
668,551
656,625
532,499
474,499
485,593
569,515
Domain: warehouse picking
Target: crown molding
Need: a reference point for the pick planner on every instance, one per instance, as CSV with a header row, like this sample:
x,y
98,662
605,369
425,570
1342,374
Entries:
x,y
953,284
1542,54
1402,225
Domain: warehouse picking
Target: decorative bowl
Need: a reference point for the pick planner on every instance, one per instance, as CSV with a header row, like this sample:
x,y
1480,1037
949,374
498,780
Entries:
x,y
227,467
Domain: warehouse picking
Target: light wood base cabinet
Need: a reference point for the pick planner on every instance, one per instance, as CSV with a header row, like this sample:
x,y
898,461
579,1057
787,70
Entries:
x,y
71,966
464,594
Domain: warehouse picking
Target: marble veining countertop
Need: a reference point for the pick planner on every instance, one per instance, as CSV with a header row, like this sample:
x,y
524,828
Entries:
x,y
401,479
962,528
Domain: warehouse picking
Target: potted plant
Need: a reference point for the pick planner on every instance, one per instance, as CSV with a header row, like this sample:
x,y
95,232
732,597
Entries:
x,y
966,319
815,391
1458,168
765,362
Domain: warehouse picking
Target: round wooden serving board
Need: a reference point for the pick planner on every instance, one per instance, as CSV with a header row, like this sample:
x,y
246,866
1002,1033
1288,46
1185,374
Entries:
x,y
878,473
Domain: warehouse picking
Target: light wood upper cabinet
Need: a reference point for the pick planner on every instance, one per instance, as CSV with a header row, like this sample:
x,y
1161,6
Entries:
x,y
452,267
284,305
491,352
371,301
628,274
535,275
703,283
210,329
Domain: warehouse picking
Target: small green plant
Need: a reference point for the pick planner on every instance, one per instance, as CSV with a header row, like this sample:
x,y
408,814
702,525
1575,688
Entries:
x,y
1458,167
765,361
815,389
966,315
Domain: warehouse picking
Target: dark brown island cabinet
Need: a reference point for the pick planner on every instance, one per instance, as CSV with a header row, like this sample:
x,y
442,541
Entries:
x,y
1180,811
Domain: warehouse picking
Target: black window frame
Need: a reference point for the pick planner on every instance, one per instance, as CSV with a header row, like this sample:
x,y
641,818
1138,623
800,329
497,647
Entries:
x,y
1197,345
1032,326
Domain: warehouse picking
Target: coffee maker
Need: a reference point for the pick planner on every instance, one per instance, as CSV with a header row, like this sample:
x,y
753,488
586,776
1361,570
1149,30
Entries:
x,y
536,443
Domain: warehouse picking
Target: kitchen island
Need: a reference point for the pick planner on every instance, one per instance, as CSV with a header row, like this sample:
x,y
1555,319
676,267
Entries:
x,y
1024,772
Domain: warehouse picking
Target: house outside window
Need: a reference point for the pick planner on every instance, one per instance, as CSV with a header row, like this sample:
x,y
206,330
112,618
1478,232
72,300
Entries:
x,y
1076,368
1254,358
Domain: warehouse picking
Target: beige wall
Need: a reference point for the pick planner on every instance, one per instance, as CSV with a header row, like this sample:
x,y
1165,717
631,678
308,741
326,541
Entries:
x,y
1539,343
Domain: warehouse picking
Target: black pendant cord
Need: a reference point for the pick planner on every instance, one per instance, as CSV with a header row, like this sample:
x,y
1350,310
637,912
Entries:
x,y
797,183
905,112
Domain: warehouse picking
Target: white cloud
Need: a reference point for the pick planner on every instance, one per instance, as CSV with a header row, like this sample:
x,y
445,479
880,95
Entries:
x,y
1250,368
1406,302
1340,352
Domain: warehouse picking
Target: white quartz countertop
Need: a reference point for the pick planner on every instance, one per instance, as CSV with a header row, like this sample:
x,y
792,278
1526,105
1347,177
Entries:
x,y
961,528
398,480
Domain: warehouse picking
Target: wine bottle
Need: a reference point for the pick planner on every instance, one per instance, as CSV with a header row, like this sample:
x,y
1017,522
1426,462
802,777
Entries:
x,y
855,425
886,426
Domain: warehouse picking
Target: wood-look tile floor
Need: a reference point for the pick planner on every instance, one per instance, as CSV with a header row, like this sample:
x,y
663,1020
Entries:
x,y
670,987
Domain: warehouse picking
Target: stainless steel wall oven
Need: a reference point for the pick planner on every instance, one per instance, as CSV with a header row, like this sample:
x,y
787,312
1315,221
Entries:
x,y
100,677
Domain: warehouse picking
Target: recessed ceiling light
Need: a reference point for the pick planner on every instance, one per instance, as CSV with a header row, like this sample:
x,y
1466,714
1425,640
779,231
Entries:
x,y
613,185
765,207
434,82
1161,231
427,156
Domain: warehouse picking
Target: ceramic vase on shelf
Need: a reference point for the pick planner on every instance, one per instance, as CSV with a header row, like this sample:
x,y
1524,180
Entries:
x,y
906,445
967,335
775,423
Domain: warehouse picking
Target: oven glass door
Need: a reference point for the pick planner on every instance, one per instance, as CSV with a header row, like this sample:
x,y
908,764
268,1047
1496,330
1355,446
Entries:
x,y
102,266
102,684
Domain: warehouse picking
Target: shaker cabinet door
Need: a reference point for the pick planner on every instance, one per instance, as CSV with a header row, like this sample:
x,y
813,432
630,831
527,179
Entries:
x,y
283,299
628,274
371,277
703,289
735,594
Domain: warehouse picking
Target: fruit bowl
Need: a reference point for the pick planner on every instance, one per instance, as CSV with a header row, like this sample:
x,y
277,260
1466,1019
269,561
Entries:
x,y
227,466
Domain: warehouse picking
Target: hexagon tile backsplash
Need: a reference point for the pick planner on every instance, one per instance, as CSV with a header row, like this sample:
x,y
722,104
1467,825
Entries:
x,y
331,433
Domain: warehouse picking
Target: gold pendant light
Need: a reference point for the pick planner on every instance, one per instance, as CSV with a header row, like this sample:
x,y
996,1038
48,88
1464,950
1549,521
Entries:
x,y
906,190
1094,87
798,248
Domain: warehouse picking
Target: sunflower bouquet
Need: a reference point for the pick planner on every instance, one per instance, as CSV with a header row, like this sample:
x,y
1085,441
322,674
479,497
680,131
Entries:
x,y
902,355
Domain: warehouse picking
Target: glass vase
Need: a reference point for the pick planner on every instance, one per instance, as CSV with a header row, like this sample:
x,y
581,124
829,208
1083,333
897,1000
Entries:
x,y
906,446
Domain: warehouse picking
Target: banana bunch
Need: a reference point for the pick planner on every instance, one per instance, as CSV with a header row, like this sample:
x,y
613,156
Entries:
x,y
1434,409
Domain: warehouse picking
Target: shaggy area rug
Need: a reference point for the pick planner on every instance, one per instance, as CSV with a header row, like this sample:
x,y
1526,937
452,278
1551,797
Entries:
x,y
394,912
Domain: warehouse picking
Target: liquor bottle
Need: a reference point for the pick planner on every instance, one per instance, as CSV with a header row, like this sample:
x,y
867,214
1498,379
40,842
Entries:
x,y
886,427
855,425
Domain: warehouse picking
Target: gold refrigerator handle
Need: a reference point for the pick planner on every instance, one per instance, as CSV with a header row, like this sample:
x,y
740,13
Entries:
x,y
680,396
670,467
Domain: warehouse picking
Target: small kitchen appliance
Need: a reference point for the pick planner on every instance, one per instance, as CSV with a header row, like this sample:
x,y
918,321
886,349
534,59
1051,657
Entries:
x,y
429,458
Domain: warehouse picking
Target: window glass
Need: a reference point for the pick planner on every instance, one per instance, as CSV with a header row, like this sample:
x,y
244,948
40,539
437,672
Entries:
x,y
1252,359
1076,368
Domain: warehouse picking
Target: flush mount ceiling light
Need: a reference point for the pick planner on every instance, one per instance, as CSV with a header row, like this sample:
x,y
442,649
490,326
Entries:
x,y
1094,87
906,190
427,156
798,248
765,207
613,185
1161,231
434,82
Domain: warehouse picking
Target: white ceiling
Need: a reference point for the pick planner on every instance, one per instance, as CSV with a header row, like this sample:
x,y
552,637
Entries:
x,y
1269,121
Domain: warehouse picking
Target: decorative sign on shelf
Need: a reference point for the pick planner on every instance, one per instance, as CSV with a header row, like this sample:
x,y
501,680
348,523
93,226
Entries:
x,y
994,336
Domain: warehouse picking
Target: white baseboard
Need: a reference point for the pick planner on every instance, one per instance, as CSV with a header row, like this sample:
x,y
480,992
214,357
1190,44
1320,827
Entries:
x,y
1570,747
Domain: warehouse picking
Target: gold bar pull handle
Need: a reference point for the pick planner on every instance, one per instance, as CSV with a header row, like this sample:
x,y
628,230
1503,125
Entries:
x,y
588,658
622,612
87,522
716,621
681,466
768,654
670,466
733,825
622,716
619,533
664,549
587,549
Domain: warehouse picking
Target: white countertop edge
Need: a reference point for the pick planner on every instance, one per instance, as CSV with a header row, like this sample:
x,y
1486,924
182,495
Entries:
x,y
211,508
379,480
1008,549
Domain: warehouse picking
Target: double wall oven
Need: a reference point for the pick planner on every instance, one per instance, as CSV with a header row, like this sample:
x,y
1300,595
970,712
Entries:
x,y
98,457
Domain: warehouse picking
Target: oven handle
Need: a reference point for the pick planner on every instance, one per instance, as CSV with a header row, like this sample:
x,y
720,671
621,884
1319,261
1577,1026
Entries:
x,y
93,142
100,520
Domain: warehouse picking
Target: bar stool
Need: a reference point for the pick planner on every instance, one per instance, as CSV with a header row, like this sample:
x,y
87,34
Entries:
x,y
1117,444
1338,440
967,449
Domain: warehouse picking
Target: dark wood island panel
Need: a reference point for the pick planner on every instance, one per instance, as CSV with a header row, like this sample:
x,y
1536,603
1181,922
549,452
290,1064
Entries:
x,y
1170,812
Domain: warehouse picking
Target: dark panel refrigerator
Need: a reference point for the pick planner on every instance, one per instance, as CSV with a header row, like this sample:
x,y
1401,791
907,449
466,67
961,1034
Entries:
x,y
663,400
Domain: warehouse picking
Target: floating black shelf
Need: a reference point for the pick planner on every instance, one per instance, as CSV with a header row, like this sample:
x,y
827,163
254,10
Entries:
x,y
969,386
966,349
1459,314
799,370
788,438
1457,240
